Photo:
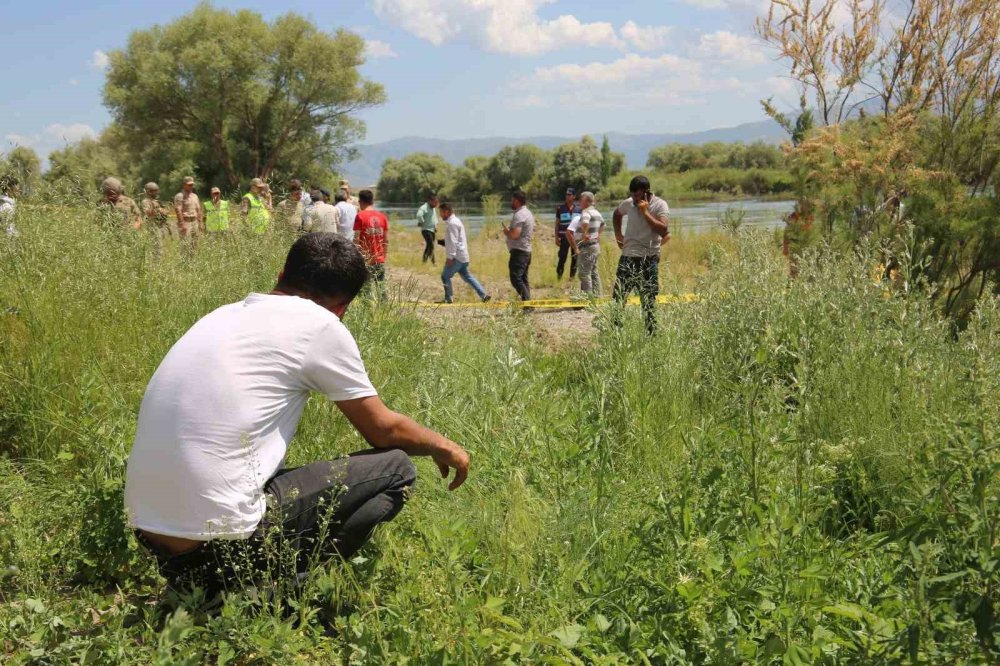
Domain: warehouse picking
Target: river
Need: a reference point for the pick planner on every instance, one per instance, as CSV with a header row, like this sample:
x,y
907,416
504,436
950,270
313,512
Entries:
x,y
685,216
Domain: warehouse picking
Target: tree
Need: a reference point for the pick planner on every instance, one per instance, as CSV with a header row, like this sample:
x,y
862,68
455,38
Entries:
x,y
576,165
515,166
240,97
413,178
78,169
469,182
606,162
23,163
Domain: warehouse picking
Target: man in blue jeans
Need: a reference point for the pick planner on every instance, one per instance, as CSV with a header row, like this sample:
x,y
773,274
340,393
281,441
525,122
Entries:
x,y
647,230
456,249
206,488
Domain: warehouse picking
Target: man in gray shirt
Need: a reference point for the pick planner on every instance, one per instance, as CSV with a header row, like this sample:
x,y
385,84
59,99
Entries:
x,y
519,234
647,230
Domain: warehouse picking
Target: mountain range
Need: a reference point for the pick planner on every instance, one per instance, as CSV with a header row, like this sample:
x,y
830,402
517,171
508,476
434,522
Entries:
x,y
364,171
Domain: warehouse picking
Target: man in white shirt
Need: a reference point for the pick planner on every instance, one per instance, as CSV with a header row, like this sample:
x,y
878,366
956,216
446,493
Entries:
x,y
456,250
647,230
584,234
8,205
323,217
347,214
206,489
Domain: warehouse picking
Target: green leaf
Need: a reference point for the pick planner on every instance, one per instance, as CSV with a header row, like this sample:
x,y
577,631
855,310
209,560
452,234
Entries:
x,y
568,635
848,610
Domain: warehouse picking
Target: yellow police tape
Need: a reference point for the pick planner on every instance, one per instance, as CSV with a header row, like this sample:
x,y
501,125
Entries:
x,y
557,303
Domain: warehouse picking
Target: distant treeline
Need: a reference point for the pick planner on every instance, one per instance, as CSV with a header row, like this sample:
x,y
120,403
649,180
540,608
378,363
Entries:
x,y
723,168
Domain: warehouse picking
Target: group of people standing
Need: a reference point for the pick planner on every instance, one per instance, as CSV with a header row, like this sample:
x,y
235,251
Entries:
x,y
641,227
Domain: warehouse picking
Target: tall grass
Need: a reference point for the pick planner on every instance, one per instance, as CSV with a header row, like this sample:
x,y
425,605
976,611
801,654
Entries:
x,y
802,471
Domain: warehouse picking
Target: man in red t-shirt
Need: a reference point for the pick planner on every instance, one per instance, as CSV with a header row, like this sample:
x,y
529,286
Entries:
x,y
371,235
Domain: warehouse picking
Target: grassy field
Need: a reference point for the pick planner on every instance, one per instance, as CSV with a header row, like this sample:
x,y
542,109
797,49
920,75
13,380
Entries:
x,y
789,473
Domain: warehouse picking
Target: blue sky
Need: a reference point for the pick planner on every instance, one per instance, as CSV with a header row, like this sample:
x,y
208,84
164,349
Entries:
x,y
452,68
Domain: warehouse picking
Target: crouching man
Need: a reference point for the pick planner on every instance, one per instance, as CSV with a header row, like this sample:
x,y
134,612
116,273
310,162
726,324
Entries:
x,y
206,488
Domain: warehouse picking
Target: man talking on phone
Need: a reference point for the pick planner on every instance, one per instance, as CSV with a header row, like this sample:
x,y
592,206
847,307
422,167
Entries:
x,y
639,265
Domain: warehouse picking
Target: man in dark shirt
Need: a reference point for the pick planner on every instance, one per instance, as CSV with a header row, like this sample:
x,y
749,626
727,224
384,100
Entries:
x,y
564,216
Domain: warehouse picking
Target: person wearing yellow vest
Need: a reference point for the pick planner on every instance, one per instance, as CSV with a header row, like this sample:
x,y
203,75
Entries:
x,y
216,212
253,208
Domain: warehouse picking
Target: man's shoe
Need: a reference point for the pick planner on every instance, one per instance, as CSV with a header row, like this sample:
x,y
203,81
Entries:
x,y
444,301
486,298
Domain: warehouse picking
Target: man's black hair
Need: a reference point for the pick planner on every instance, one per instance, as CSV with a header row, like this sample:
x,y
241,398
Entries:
x,y
520,196
294,185
639,184
324,264
340,196
444,205
432,195
366,197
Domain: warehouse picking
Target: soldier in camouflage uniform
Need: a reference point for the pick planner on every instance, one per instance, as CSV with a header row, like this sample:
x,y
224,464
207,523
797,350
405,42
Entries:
x,y
118,208
155,215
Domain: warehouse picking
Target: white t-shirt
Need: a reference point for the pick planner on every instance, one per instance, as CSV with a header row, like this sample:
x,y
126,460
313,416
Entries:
x,y
455,244
594,221
220,410
7,208
640,239
347,215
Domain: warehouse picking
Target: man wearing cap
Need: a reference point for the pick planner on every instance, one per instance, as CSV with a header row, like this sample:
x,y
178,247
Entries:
x,y
353,200
565,215
117,206
216,212
187,207
253,209
289,211
154,215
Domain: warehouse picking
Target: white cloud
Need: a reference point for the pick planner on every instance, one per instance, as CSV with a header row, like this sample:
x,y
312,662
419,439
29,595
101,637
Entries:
x,y
632,81
52,137
500,26
729,47
99,60
645,38
375,49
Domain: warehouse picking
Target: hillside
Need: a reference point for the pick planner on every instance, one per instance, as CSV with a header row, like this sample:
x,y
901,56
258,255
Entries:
x,y
365,170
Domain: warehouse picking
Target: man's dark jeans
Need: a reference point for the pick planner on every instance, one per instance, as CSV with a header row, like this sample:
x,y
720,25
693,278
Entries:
x,y
642,275
520,262
428,245
564,249
376,280
313,513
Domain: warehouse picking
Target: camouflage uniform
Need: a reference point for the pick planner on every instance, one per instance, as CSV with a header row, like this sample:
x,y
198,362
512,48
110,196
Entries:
x,y
289,212
157,218
124,212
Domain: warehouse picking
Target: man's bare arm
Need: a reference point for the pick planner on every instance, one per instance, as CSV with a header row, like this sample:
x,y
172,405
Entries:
x,y
616,220
385,429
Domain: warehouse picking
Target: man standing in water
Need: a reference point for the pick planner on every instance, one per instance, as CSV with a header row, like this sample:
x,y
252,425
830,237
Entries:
x,y
206,488
639,265
519,235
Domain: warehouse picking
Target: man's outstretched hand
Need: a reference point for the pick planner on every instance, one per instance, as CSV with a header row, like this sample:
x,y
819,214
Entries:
x,y
454,457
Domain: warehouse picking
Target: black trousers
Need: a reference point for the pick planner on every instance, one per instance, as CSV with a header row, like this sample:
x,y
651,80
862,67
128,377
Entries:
x,y
376,280
428,245
642,275
518,266
564,249
313,512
